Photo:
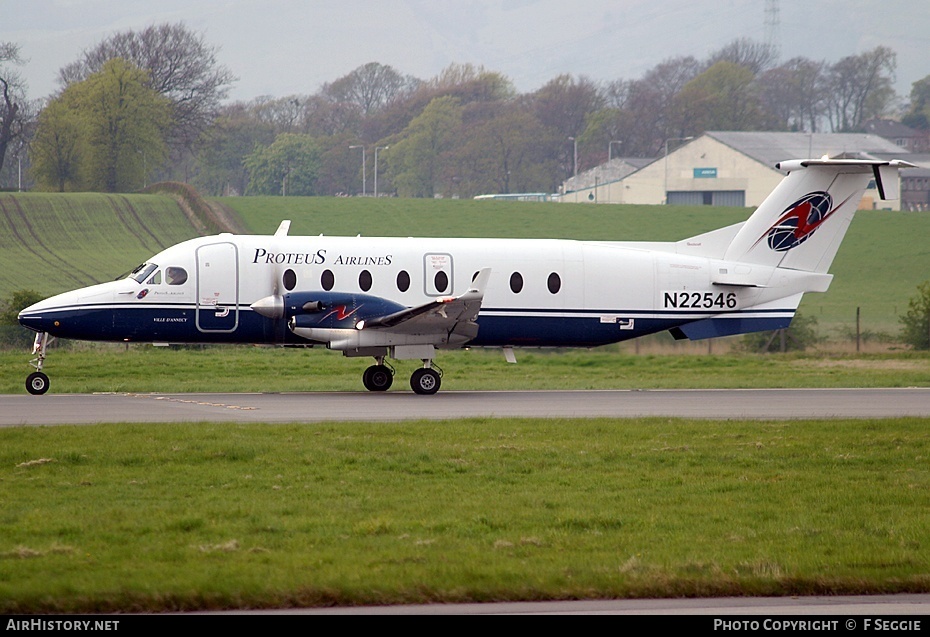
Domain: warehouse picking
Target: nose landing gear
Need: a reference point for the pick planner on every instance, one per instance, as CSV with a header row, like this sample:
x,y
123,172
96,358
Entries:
x,y
37,383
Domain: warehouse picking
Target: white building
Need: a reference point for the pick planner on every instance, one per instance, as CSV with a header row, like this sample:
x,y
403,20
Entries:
x,y
728,169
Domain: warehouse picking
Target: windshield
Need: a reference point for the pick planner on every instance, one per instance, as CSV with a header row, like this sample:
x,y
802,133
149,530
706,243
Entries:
x,y
142,272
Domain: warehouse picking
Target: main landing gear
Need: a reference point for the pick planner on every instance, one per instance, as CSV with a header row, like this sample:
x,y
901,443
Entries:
x,y
37,383
425,380
378,377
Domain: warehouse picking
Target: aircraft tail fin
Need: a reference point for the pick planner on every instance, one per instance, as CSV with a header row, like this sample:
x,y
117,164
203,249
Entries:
x,y
801,224
787,245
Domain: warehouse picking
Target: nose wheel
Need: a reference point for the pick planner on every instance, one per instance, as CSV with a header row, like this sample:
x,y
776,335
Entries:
x,y
37,383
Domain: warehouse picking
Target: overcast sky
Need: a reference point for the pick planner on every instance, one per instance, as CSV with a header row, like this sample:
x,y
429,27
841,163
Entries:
x,y
284,47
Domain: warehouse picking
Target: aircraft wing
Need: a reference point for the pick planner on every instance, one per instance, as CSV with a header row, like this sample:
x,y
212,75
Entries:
x,y
451,314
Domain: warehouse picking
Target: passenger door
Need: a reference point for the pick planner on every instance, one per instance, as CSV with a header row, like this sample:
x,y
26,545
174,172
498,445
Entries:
x,y
217,287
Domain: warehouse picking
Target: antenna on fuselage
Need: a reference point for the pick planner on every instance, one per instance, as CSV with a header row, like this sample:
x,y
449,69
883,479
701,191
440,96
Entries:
x,y
283,228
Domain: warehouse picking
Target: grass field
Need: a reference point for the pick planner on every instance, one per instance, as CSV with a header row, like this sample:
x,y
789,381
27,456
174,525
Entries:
x,y
248,369
141,518
51,243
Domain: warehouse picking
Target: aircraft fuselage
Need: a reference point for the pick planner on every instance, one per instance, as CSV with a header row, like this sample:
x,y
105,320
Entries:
x,y
540,293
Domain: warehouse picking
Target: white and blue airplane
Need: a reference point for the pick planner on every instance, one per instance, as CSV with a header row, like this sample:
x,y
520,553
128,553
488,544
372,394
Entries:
x,y
405,298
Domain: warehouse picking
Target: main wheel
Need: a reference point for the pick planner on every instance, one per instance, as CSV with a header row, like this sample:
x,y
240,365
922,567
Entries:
x,y
377,378
37,383
425,381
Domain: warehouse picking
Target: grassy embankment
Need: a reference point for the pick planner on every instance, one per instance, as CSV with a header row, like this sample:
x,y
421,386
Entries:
x,y
51,243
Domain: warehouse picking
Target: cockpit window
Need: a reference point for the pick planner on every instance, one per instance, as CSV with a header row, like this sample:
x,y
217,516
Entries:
x,y
143,272
175,275
155,280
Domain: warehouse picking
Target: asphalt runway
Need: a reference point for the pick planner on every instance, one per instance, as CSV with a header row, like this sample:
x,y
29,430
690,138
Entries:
x,y
57,409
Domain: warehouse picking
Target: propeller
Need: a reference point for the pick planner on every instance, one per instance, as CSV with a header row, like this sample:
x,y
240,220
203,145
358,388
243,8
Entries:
x,y
273,306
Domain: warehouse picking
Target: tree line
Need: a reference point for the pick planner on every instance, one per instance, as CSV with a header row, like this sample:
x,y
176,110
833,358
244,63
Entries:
x,y
151,105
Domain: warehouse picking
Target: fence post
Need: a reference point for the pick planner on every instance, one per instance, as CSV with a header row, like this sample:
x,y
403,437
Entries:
x,y
857,329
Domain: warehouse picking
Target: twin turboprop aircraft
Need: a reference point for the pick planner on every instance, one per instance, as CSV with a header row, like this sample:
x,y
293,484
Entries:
x,y
404,298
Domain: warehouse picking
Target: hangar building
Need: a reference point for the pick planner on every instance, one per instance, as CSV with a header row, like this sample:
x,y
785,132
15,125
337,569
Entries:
x,y
724,169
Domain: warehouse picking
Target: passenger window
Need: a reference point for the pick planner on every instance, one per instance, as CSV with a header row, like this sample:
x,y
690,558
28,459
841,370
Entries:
x,y
328,280
364,280
554,283
290,279
155,280
516,282
441,281
403,281
175,275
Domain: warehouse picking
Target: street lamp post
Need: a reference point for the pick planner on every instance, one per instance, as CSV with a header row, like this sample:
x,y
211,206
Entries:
x,y
363,166
575,169
145,169
377,148
610,148
671,139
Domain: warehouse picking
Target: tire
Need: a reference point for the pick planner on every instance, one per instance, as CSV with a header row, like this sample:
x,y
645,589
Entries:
x,y
378,378
37,383
425,381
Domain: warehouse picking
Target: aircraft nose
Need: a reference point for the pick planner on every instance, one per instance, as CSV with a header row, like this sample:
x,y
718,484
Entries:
x,y
37,317
34,319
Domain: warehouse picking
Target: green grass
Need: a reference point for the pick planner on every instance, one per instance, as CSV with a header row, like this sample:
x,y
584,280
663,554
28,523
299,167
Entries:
x,y
138,518
260,369
51,243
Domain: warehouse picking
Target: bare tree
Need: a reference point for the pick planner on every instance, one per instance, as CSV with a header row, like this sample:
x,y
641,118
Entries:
x,y
794,94
860,87
755,56
651,100
371,87
12,99
284,114
182,67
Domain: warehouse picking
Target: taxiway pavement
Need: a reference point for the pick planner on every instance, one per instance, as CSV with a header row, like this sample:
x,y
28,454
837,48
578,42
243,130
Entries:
x,y
52,409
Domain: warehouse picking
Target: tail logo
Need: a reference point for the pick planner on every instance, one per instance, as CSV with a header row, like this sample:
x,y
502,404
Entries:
x,y
800,220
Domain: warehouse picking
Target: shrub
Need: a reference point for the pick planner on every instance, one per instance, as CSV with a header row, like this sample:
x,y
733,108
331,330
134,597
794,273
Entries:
x,y
915,322
12,335
801,334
